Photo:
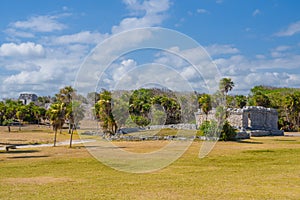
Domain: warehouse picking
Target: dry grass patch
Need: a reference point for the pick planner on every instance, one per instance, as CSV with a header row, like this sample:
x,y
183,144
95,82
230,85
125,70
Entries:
x,y
36,180
32,134
141,146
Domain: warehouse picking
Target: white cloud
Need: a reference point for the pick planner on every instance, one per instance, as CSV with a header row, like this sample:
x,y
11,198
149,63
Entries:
x,y
202,11
40,24
16,33
123,68
217,49
148,13
280,51
28,49
84,37
292,29
256,12
282,48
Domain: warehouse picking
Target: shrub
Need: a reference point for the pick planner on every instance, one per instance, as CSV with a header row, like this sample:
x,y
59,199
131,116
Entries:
x,y
208,128
228,132
211,129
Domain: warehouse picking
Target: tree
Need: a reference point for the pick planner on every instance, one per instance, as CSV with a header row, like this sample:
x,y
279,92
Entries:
x,y
21,114
205,103
66,96
226,85
139,106
292,106
74,113
2,112
171,107
120,108
240,101
260,99
39,113
104,113
56,114
10,112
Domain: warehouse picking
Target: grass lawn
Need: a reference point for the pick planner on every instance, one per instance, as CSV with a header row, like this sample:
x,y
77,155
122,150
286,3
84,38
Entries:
x,y
259,168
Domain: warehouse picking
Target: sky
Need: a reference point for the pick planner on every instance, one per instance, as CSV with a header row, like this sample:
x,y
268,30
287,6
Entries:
x,y
43,44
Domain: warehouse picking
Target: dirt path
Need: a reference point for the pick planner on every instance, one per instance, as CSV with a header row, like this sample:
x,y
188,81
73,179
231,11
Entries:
x,y
67,142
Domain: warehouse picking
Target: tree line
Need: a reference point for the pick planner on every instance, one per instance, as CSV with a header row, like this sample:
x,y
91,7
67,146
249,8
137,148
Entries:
x,y
144,107
66,106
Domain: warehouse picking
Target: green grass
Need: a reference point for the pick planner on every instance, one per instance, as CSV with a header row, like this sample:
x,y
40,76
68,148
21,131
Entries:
x,y
262,168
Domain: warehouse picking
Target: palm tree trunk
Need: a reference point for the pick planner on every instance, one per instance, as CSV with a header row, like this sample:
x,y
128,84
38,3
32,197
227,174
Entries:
x,y
71,138
55,134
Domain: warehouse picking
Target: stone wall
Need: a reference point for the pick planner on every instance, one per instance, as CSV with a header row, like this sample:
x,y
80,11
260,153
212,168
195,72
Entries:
x,y
257,119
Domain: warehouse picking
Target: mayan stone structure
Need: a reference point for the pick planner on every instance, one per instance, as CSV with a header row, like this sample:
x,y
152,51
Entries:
x,y
27,98
257,120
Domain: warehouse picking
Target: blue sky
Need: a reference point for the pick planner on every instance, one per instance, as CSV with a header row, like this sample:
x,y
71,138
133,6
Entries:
x,y
43,43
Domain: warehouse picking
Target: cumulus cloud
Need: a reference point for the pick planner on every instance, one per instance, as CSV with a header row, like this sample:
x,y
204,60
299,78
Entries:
x,y
44,23
218,49
292,29
28,49
123,68
145,14
85,37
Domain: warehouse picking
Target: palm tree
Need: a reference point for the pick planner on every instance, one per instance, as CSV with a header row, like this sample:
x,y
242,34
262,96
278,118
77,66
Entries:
x,y
56,114
74,113
205,103
66,96
20,114
226,85
104,111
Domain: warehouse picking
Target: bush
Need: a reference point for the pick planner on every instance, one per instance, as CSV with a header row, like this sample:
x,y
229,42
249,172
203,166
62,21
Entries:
x,y
228,132
211,129
208,128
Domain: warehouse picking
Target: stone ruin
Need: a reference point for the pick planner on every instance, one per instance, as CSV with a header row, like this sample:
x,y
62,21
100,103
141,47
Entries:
x,y
254,120
27,98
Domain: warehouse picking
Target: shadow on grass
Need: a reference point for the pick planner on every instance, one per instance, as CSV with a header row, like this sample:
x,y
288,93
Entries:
x,y
16,157
259,151
285,140
249,142
18,151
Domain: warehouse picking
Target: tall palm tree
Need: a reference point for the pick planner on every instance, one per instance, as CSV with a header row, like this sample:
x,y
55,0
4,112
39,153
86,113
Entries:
x,y
104,111
56,114
205,103
66,96
226,85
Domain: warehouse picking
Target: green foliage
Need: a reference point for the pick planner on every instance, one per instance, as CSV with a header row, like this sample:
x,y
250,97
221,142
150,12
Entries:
x,y
228,132
205,103
120,108
226,85
103,109
209,128
171,107
158,115
140,105
240,101
285,100
142,100
212,129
